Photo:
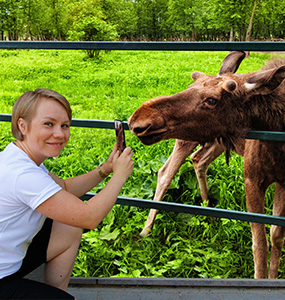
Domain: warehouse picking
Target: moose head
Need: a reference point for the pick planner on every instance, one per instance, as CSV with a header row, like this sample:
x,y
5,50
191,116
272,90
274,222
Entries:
x,y
225,106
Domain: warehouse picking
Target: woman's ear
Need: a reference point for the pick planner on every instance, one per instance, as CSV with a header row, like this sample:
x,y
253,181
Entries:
x,y
23,126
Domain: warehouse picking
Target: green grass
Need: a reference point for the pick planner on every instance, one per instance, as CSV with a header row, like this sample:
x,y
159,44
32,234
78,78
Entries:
x,y
181,245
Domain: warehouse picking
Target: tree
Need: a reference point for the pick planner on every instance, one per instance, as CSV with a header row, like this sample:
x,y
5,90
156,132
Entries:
x,y
11,13
122,15
231,17
248,32
180,17
49,19
88,24
142,19
151,18
200,13
270,20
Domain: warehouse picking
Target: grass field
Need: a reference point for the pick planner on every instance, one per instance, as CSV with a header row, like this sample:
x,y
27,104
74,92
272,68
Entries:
x,y
112,87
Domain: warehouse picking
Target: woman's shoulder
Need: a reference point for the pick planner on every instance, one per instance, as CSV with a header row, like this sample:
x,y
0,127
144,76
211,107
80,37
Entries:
x,y
11,150
14,160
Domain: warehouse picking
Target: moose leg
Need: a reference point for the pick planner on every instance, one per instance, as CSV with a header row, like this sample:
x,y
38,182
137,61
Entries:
x,y
255,203
201,159
256,182
259,239
181,150
277,232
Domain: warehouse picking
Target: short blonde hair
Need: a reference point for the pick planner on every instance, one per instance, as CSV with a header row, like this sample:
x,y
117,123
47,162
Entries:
x,y
26,105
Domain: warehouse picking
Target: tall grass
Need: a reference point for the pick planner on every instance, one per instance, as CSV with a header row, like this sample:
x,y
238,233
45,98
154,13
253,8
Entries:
x,y
180,245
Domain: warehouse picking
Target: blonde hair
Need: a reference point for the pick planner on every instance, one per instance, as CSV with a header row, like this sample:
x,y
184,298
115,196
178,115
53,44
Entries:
x,y
26,105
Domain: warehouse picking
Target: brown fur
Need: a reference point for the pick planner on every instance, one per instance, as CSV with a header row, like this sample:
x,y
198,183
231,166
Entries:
x,y
201,159
225,108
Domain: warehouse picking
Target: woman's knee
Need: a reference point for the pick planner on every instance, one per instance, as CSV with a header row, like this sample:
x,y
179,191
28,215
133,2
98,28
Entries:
x,y
63,237
74,233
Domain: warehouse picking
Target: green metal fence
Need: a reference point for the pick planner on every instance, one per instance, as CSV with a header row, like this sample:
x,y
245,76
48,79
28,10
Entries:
x,y
166,46
150,46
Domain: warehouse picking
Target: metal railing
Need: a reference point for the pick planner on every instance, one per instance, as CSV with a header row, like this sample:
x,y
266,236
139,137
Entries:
x,y
149,46
166,46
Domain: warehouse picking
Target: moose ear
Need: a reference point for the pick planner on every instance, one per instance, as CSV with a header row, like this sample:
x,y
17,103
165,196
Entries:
x,y
231,62
197,74
266,81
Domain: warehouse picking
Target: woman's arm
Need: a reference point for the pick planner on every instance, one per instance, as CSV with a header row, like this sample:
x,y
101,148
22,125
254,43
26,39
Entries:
x,y
82,184
66,208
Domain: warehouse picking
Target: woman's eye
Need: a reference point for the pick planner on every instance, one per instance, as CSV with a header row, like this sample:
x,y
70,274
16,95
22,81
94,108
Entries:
x,y
65,126
49,124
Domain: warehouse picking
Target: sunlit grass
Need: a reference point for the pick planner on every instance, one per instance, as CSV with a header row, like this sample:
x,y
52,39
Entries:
x,y
112,87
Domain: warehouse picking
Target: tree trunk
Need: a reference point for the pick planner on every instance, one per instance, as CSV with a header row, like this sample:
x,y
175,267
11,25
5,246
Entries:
x,y
248,33
28,31
232,34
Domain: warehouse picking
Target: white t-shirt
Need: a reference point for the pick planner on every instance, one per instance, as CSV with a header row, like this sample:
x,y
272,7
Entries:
x,y
23,187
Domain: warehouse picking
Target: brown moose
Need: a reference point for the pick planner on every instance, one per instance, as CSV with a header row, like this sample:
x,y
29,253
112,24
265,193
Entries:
x,y
201,159
224,108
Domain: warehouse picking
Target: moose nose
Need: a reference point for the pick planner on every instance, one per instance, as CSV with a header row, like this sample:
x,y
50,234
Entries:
x,y
139,129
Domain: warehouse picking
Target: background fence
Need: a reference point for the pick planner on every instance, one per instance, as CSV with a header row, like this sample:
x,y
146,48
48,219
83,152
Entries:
x,y
166,46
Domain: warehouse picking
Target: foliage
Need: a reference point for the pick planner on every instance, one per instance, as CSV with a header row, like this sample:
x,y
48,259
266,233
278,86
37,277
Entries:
x,y
122,15
113,86
272,15
11,18
88,24
199,20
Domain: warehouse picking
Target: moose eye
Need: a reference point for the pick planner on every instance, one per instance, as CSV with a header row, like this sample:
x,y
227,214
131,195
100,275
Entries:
x,y
211,101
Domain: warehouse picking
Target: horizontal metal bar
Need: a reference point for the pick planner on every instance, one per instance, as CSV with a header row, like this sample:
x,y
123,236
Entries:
x,y
79,122
157,46
253,134
96,124
198,210
5,117
266,135
207,283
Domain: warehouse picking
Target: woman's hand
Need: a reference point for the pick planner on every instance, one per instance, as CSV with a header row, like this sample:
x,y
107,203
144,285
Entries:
x,y
123,164
107,167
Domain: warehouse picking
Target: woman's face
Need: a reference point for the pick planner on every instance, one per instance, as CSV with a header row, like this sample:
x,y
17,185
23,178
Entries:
x,y
48,132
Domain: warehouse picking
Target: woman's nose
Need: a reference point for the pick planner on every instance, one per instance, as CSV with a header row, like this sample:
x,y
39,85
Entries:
x,y
58,132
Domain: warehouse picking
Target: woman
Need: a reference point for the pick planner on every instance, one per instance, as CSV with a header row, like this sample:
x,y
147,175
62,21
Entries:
x,y
41,216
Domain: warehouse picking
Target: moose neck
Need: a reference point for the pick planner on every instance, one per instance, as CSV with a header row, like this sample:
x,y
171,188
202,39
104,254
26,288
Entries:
x,y
259,112
267,113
